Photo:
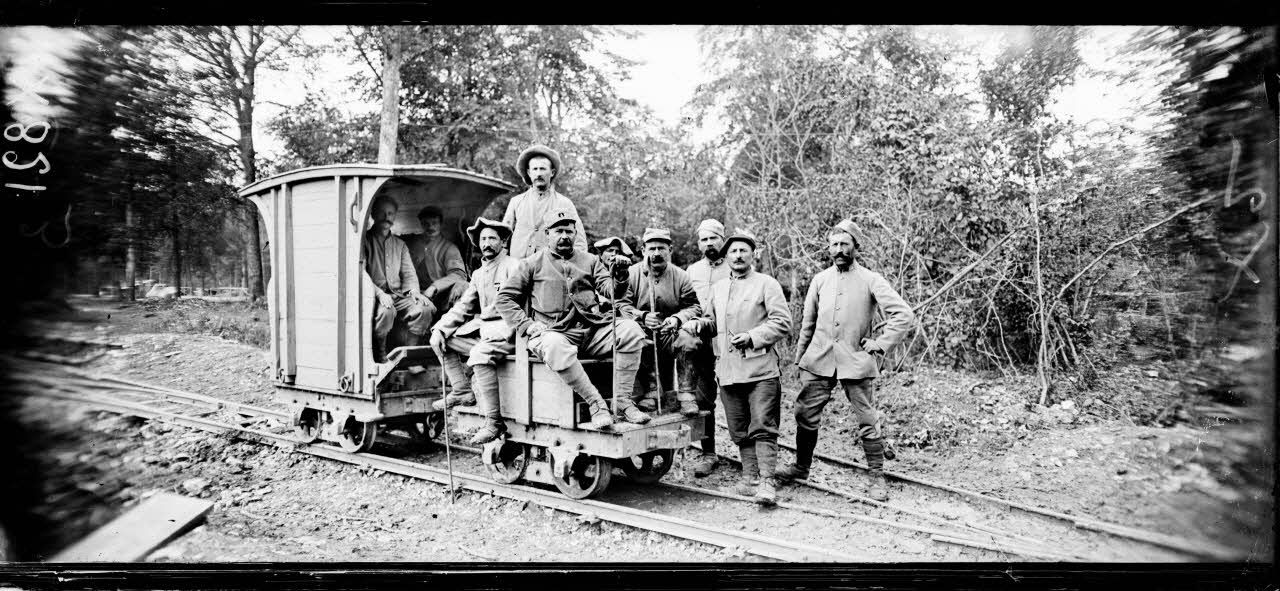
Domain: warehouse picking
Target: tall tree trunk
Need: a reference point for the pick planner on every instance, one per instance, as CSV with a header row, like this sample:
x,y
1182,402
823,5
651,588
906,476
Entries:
x,y
131,254
393,56
248,156
176,262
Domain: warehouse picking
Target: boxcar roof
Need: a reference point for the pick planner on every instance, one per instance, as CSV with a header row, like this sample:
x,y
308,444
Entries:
x,y
367,169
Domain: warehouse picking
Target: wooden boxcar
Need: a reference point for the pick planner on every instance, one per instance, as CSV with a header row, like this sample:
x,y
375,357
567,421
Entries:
x,y
322,302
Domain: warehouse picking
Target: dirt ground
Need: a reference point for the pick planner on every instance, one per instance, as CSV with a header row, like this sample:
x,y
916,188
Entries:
x,y
1117,452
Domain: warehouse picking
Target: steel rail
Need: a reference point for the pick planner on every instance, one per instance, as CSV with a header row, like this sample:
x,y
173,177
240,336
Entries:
x,y
640,519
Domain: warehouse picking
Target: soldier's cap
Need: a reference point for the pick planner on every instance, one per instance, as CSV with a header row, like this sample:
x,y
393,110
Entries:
x,y
658,234
850,228
713,226
742,235
560,215
503,230
604,243
522,163
430,211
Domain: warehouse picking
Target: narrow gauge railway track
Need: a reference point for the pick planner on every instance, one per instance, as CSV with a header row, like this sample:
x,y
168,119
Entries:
x,y
1199,548
191,409
760,545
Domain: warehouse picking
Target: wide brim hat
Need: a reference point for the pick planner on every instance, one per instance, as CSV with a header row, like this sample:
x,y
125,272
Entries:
x,y
739,235
604,243
522,163
481,223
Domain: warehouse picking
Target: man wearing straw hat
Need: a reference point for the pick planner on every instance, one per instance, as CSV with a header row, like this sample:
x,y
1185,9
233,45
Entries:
x,y
563,286
747,314
660,298
702,274
474,328
835,345
539,166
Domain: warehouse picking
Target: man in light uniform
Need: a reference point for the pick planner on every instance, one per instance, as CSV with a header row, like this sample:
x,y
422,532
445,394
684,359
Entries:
x,y
702,274
386,259
563,286
474,328
442,276
835,347
747,314
660,298
538,166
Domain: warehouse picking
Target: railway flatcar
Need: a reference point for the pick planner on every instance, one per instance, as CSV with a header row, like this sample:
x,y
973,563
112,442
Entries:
x,y
322,302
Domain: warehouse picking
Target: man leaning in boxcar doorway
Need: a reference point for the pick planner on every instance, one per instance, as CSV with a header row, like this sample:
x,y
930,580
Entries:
x,y
539,167
442,276
835,345
387,261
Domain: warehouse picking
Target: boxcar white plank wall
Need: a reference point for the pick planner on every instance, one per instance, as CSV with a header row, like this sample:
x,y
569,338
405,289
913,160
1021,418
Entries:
x,y
315,282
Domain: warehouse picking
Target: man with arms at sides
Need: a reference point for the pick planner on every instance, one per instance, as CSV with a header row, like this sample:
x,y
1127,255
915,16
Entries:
x,y
702,273
835,346
474,328
563,286
539,166
747,314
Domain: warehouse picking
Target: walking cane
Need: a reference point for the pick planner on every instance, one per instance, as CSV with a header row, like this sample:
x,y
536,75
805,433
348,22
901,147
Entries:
x,y
448,449
613,333
657,368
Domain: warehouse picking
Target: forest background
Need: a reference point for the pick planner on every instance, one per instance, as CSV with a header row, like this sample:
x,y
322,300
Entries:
x,y
1030,243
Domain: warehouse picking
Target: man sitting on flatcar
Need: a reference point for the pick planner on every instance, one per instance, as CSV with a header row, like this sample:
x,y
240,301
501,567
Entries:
x,y
386,260
660,297
563,286
442,276
474,328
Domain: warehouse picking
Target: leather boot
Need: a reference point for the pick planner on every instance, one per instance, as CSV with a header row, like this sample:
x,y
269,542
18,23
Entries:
x,y
486,389
577,379
767,457
806,441
750,478
624,379
688,403
877,487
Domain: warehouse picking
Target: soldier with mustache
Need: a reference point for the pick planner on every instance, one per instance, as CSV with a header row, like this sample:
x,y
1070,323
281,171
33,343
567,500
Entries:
x,y
835,346
563,287
474,328
703,273
386,259
539,166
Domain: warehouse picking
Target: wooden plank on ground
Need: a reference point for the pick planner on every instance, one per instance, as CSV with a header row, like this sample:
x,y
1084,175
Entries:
x,y
130,537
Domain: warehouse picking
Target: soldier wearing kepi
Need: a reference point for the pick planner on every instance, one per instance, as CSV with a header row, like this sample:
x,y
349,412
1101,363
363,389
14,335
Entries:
x,y
563,286
660,297
474,328
747,314
539,166
702,274
835,346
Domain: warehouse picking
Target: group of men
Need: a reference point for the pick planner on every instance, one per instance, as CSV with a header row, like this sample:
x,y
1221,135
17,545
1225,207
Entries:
x,y
717,321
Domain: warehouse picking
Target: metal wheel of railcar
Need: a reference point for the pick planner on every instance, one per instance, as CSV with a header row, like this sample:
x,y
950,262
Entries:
x,y
306,424
510,464
587,477
357,436
648,467
427,427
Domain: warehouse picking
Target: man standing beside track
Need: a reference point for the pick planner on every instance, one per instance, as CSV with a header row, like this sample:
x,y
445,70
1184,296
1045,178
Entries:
x,y
563,286
702,274
539,166
660,297
386,259
835,346
473,327
747,314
